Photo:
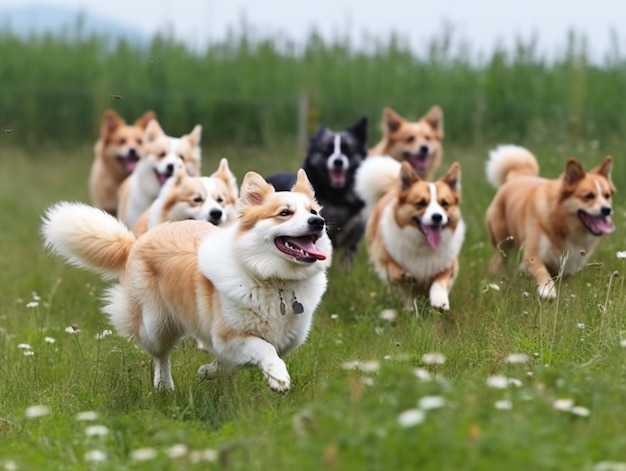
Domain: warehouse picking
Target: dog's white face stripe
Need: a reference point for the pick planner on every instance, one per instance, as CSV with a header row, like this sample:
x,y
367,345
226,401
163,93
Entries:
x,y
337,156
434,208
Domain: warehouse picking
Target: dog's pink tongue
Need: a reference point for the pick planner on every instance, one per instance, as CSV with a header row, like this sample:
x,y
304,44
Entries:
x,y
162,177
306,245
433,235
600,224
129,165
337,177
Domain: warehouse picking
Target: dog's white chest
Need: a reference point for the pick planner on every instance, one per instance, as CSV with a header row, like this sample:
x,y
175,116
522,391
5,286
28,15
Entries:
x,y
568,261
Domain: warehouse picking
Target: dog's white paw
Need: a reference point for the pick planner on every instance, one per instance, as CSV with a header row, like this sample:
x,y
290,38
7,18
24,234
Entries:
x,y
209,371
277,377
547,290
439,298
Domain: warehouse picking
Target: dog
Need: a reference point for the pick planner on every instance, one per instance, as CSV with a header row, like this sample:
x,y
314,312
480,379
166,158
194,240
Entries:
x,y
248,291
183,197
331,161
418,142
117,151
415,230
161,154
557,223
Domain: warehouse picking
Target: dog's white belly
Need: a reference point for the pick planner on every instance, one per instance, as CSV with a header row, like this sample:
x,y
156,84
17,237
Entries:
x,y
568,261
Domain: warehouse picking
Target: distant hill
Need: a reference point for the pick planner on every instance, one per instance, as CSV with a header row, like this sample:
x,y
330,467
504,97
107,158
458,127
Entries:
x,y
36,20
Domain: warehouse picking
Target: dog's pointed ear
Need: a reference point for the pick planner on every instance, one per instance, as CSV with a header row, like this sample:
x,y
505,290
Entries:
x,y
359,129
254,189
605,169
145,118
391,121
434,117
303,185
453,177
153,130
110,122
574,173
195,135
408,176
224,173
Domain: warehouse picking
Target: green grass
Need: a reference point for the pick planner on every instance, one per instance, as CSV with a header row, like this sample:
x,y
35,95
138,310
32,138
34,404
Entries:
x,y
332,418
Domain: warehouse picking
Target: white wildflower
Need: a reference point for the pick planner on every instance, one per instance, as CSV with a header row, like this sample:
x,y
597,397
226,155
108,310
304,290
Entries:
x,y
433,358
25,346
203,455
580,411
32,304
364,366
411,417
334,316
9,465
177,451
86,416
49,339
431,402
581,326
103,334
423,374
516,358
503,404
621,254
96,456
36,296
563,404
388,315
29,353
515,382
494,286
143,454
367,381
70,329
622,343
498,382
609,466
96,431
32,412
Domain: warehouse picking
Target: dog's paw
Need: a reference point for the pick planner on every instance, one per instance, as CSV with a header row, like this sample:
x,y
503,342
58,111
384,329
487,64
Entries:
x,y
209,371
547,290
439,298
277,376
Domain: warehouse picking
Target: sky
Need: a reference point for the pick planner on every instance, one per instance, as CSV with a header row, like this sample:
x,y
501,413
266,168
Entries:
x,y
483,23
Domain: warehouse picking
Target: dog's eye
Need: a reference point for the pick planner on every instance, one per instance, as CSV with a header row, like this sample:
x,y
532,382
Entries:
x,y
122,141
444,204
589,196
219,199
182,157
410,139
198,199
427,138
314,212
421,204
606,196
162,154
285,213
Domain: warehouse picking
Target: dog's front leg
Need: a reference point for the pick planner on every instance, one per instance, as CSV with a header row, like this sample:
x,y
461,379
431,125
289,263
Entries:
x,y
251,350
440,289
546,288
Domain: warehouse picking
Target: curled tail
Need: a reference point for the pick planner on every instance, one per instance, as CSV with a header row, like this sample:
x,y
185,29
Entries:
x,y
510,161
375,177
87,238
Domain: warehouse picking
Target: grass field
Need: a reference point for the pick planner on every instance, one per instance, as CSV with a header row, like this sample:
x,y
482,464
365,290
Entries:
x,y
424,391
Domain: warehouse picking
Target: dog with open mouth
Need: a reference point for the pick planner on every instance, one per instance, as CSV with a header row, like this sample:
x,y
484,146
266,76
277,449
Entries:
x,y
161,154
557,223
418,142
183,197
248,290
117,151
331,161
415,230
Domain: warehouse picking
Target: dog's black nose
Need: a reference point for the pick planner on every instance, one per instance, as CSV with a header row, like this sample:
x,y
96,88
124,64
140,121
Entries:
x,y
338,163
169,170
317,222
423,149
132,154
215,214
437,218
605,210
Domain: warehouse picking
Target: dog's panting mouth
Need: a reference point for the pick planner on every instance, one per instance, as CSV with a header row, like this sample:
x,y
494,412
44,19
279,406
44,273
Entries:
x,y
301,248
337,178
433,234
162,177
128,163
597,225
419,160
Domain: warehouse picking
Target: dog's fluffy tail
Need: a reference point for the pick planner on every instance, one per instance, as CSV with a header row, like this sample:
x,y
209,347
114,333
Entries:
x,y
87,238
510,161
375,177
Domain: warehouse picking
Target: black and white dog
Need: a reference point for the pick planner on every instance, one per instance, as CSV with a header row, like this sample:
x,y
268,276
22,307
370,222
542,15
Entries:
x,y
330,164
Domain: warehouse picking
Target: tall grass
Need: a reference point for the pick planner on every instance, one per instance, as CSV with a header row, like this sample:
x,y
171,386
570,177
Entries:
x,y
245,89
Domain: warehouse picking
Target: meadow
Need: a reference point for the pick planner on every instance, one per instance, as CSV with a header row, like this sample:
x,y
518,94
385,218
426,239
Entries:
x,y
503,381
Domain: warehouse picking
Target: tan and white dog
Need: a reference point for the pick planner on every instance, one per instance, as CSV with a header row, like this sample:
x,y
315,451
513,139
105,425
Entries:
x,y
557,223
182,197
161,153
247,291
418,142
414,231
117,151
